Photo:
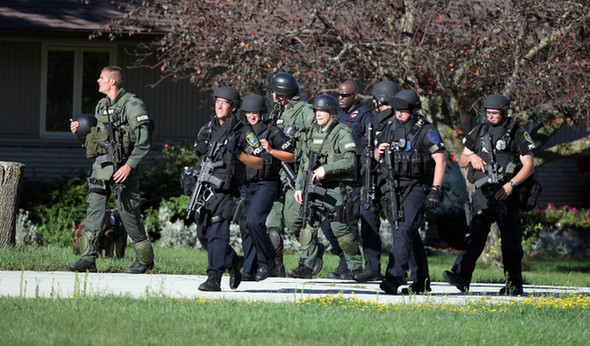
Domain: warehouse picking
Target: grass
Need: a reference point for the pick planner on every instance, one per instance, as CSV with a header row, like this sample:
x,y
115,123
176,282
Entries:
x,y
325,321
319,321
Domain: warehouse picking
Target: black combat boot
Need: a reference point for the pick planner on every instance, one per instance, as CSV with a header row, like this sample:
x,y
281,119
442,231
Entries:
x,y
213,283
301,272
368,275
264,270
389,287
456,280
82,265
235,277
417,287
139,268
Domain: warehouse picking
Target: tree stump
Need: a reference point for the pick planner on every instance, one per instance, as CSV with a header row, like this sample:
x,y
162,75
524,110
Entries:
x,y
11,174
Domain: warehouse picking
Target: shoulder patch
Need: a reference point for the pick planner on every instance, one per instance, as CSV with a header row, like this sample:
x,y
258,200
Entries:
x,y
252,140
142,118
433,137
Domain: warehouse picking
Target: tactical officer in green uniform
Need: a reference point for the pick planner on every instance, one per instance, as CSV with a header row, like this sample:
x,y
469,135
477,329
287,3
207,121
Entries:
x,y
292,115
117,144
335,171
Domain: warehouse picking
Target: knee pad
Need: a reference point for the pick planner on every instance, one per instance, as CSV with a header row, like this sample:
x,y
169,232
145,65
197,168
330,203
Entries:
x,y
306,238
275,238
348,245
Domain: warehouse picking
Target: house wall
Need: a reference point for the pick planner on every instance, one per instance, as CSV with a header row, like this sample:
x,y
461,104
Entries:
x,y
177,108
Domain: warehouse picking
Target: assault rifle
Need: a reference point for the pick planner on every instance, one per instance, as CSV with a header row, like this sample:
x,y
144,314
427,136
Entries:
x,y
394,210
368,189
114,153
310,188
289,175
492,175
204,186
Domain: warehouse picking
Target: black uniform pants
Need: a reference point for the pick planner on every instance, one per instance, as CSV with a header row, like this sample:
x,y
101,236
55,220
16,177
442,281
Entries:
x,y
407,242
260,196
215,238
507,216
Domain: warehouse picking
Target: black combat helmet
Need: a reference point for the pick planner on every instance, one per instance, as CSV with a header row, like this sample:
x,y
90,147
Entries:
x,y
85,123
384,90
254,103
228,93
326,102
497,101
406,99
283,84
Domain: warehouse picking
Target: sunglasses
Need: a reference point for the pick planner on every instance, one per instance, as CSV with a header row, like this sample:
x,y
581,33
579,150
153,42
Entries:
x,y
345,95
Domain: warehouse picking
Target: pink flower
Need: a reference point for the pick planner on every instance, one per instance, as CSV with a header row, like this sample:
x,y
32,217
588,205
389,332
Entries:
x,y
165,145
453,158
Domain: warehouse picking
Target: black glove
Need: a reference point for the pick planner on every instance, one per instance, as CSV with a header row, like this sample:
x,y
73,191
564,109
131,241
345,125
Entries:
x,y
433,199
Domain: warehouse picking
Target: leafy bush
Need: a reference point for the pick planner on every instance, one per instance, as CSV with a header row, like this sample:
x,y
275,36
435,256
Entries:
x,y
53,206
162,178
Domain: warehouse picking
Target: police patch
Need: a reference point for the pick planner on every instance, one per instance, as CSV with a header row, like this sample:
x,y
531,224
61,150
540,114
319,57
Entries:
x,y
142,118
252,140
433,137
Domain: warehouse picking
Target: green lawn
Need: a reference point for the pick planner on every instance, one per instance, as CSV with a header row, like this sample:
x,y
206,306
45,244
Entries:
x,y
330,320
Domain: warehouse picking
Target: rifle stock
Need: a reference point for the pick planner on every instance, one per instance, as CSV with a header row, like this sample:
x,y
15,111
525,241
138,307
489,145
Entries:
x,y
310,188
203,191
114,155
396,213
368,190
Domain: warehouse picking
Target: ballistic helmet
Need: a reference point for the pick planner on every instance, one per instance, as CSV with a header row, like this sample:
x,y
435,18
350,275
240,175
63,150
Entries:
x,y
283,84
497,101
405,99
85,123
385,90
326,102
254,103
228,93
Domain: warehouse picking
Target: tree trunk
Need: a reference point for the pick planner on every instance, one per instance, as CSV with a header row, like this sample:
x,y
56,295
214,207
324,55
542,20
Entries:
x,y
11,174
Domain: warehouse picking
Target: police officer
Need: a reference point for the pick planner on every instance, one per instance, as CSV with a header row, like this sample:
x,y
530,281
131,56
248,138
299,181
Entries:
x,y
499,157
260,190
125,114
415,171
357,117
335,170
230,144
294,116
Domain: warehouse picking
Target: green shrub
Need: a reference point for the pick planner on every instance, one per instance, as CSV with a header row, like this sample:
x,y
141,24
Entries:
x,y
53,206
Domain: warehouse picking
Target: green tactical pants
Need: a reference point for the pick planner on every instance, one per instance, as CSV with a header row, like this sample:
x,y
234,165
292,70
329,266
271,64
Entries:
x,y
285,212
127,204
308,237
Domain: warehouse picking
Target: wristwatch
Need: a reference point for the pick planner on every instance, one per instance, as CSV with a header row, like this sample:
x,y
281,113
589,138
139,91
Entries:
x,y
436,187
513,184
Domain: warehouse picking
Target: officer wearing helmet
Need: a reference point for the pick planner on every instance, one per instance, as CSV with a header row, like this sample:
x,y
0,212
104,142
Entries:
x,y
126,115
334,169
230,145
260,189
294,116
499,158
357,117
413,153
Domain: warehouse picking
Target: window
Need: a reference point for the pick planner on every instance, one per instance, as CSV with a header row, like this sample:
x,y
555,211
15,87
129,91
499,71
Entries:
x,y
69,84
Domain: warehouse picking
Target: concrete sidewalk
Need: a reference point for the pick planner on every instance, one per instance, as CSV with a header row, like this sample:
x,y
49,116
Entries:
x,y
66,284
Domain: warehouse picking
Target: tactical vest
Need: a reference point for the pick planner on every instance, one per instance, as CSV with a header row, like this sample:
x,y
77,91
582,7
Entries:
x,y
323,141
408,162
504,151
218,150
270,166
123,131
